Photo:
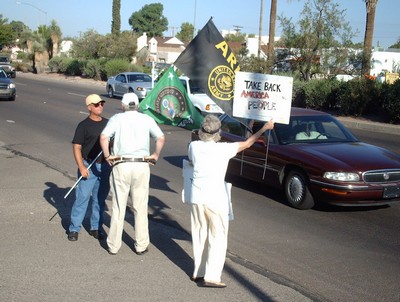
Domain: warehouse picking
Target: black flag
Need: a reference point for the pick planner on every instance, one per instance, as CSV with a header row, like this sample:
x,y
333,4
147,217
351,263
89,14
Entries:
x,y
211,65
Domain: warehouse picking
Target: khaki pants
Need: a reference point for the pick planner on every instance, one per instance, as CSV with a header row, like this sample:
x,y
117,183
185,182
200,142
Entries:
x,y
133,178
210,240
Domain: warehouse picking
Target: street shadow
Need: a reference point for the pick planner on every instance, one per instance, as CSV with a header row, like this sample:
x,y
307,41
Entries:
x,y
175,160
54,195
164,234
160,183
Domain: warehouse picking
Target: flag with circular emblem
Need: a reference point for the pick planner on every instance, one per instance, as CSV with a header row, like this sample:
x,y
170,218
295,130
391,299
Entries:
x,y
168,103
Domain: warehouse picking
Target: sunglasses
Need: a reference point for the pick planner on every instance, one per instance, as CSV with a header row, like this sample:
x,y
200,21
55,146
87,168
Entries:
x,y
99,104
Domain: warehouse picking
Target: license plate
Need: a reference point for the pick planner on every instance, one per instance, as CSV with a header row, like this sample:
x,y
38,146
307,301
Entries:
x,y
391,192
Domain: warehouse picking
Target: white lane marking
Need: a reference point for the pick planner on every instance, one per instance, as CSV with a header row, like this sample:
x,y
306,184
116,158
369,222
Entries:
x,y
10,121
75,94
81,112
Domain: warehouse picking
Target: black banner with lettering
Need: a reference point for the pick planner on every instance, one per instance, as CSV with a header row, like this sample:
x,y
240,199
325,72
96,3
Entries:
x,y
211,65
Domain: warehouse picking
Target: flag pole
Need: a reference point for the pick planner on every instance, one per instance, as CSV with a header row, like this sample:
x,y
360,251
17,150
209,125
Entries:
x,y
266,153
79,179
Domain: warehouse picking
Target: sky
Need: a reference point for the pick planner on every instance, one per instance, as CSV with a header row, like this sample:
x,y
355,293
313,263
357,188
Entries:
x,y
76,17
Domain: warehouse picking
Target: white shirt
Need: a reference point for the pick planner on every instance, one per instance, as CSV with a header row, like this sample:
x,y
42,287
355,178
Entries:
x,y
210,161
132,131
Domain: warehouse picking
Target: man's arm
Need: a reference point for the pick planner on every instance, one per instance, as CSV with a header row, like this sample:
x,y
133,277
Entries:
x,y
159,145
77,150
252,139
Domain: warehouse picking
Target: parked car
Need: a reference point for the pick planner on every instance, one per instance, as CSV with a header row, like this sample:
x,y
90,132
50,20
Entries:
x,y
199,98
315,159
7,87
137,82
5,63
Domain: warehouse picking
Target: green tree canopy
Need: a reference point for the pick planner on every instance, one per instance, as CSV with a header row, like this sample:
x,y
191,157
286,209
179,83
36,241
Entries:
x,y
319,43
396,45
92,45
7,35
149,20
186,32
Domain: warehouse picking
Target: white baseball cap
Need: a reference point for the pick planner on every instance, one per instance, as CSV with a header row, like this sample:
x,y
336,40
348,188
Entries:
x,y
130,99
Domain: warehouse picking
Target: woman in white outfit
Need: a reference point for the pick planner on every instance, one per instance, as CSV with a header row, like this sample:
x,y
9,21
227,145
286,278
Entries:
x,y
209,199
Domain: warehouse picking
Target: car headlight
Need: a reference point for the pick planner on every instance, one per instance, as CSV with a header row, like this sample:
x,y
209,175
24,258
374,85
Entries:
x,y
342,176
11,85
139,89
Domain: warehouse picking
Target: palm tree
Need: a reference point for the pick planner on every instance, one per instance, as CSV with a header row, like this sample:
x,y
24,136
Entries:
x,y
271,38
55,36
369,34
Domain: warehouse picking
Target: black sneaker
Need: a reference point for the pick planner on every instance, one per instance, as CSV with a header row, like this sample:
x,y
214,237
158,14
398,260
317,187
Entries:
x,y
96,234
73,236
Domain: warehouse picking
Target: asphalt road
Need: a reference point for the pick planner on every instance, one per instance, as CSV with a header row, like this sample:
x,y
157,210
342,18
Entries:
x,y
327,253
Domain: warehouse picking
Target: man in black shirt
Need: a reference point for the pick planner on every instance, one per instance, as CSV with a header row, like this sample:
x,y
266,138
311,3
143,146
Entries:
x,y
95,181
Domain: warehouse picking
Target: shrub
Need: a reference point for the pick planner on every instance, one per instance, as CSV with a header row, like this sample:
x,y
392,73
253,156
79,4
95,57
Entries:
x,y
116,66
391,101
55,64
359,97
316,94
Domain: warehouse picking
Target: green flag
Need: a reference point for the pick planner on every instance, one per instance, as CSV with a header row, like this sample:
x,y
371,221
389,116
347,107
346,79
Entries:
x,y
168,103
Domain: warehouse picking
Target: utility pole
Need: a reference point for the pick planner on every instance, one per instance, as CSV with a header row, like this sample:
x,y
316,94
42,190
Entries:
x,y
237,28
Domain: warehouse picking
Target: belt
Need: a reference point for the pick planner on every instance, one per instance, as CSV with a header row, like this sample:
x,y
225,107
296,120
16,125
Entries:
x,y
129,159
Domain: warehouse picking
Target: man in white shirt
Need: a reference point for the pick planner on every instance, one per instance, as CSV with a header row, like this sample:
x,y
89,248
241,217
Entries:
x,y
131,132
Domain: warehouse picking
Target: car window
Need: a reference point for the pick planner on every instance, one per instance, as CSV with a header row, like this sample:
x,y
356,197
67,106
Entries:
x,y
233,126
183,83
121,78
312,129
138,78
195,89
2,74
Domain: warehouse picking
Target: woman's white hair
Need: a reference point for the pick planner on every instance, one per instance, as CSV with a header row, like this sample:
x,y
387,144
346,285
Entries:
x,y
210,129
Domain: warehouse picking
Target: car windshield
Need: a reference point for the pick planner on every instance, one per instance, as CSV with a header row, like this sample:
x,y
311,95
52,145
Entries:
x,y
313,129
301,129
139,78
195,89
2,74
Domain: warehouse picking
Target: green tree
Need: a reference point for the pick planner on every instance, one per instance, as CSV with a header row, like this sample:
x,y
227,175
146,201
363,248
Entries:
x,y
186,32
319,45
7,35
18,27
149,20
238,37
121,46
88,45
116,17
396,45
369,35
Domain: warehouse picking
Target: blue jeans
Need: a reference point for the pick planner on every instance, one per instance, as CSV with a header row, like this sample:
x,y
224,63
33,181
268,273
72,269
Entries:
x,y
96,186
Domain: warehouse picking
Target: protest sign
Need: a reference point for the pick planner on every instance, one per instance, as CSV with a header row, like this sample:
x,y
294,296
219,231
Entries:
x,y
262,97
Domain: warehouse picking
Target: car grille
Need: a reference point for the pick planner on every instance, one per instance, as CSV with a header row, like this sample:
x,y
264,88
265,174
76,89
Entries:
x,y
3,86
381,176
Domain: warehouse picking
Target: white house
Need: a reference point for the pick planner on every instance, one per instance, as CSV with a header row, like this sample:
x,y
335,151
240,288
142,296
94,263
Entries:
x,y
385,61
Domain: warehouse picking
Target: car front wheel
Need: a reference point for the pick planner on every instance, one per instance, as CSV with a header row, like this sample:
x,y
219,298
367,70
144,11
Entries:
x,y
110,92
297,191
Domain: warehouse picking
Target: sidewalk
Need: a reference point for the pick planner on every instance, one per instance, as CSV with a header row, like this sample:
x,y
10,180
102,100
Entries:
x,y
38,263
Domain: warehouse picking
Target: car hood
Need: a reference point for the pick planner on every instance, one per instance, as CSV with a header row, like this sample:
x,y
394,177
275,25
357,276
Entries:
x,y
201,100
356,156
5,80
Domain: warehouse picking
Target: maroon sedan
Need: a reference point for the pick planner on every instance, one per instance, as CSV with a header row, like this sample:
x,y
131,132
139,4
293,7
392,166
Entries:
x,y
315,159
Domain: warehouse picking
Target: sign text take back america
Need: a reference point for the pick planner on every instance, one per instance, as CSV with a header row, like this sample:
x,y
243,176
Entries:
x,y
262,97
